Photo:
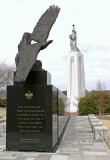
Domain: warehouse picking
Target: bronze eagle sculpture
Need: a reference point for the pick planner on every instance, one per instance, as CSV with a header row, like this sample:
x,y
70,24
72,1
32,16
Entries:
x,y
28,51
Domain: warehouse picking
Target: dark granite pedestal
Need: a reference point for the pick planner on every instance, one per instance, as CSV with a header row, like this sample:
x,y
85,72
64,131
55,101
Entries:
x,y
33,116
29,118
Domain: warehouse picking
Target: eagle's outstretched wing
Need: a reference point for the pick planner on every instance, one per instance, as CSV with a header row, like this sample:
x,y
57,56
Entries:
x,y
27,58
28,52
45,23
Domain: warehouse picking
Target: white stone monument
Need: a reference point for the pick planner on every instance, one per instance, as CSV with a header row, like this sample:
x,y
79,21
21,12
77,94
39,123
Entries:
x,y
76,78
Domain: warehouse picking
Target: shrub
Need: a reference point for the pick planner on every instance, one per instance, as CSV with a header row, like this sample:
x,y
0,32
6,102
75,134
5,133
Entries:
x,y
87,105
3,102
96,102
61,107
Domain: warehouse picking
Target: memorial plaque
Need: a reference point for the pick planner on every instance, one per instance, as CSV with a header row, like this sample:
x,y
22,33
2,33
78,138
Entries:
x,y
29,118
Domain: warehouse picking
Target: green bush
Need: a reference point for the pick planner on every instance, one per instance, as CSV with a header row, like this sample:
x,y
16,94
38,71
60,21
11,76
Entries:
x,y
87,105
106,104
96,102
61,106
2,102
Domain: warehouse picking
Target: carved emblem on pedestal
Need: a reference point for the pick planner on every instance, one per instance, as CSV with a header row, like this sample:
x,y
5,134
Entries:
x,y
28,95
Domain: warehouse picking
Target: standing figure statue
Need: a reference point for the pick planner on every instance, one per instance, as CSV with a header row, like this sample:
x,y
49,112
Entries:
x,y
73,40
27,51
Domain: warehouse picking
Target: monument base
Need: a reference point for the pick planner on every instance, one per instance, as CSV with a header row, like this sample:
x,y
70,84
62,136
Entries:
x,y
35,114
35,118
32,118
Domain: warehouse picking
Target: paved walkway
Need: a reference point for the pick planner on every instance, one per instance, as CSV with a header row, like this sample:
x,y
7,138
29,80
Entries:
x,y
77,144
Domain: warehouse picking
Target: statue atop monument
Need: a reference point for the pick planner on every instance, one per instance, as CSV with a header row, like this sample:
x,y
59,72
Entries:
x,y
27,51
73,40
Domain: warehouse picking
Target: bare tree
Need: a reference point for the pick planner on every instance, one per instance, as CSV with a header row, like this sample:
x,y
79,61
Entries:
x,y
6,75
100,87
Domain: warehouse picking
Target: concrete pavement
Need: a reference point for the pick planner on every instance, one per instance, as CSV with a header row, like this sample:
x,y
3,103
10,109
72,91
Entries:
x,y
77,144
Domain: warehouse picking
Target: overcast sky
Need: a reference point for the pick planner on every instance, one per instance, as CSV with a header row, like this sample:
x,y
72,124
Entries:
x,y
91,19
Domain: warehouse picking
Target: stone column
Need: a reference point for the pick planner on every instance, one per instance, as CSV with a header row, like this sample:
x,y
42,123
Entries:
x,y
76,78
